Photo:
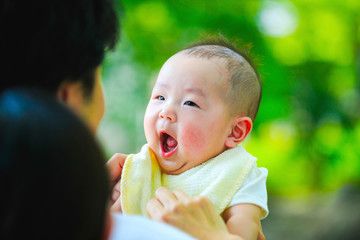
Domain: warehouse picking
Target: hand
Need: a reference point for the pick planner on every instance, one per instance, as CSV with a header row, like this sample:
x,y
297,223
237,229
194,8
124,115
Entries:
x,y
115,166
261,235
195,216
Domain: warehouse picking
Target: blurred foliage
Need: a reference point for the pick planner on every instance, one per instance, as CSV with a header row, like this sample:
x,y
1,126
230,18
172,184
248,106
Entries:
x,y
307,132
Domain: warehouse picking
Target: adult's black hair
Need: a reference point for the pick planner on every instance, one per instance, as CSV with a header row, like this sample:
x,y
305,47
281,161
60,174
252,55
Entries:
x,y
53,180
45,42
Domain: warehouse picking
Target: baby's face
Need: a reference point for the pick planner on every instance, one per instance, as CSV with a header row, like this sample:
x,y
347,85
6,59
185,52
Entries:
x,y
187,120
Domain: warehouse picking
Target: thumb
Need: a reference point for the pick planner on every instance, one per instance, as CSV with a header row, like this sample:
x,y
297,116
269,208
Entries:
x,y
115,165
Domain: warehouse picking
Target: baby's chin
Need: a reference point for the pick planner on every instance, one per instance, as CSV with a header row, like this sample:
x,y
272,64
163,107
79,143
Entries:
x,y
172,167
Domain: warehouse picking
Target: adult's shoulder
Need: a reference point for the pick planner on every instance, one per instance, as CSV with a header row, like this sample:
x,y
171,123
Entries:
x,y
127,227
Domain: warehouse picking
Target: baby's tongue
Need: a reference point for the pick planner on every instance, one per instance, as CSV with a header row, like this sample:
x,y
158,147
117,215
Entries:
x,y
171,142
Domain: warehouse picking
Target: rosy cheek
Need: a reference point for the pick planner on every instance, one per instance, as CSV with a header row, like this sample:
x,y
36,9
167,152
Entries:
x,y
193,138
150,127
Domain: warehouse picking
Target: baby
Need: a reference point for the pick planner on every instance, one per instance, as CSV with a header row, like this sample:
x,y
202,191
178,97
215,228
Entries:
x,y
202,106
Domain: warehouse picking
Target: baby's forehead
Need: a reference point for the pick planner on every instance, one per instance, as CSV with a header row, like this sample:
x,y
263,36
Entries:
x,y
196,71
221,55
217,63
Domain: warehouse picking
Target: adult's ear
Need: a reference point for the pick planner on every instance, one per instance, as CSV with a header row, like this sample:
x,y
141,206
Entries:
x,y
240,129
71,94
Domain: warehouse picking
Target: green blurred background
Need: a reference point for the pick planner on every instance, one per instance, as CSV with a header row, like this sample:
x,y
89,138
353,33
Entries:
x,y
307,132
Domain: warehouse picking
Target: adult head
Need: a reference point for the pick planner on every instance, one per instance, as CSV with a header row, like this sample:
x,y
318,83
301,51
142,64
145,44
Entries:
x,y
58,46
53,181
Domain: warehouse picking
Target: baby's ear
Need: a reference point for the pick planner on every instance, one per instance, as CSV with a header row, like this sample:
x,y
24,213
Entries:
x,y
240,129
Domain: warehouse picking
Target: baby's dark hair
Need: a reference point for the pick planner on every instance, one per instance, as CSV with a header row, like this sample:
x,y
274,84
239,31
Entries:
x,y
245,91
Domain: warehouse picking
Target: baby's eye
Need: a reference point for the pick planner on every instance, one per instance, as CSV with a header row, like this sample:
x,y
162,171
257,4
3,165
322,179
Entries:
x,y
190,103
161,98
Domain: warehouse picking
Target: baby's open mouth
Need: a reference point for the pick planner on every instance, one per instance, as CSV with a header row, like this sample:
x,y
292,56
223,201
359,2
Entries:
x,y
168,143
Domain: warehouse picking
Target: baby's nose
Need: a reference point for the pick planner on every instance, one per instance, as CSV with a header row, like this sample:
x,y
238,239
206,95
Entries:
x,y
168,115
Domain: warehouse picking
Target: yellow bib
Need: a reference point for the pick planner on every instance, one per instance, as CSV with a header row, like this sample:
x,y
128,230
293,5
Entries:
x,y
217,179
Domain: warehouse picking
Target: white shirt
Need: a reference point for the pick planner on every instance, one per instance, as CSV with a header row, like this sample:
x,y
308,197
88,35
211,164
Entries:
x,y
131,227
253,190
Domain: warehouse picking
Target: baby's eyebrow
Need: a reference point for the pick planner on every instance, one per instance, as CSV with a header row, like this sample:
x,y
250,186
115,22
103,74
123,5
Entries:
x,y
161,85
195,90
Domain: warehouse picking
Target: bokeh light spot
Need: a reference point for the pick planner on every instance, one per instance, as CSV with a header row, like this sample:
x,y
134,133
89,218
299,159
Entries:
x,y
278,19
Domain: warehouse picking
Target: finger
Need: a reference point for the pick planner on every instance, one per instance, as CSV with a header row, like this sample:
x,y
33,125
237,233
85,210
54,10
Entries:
x,y
187,206
115,196
155,209
206,210
115,164
182,197
165,197
116,191
187,223
261,235
205,204
116,207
